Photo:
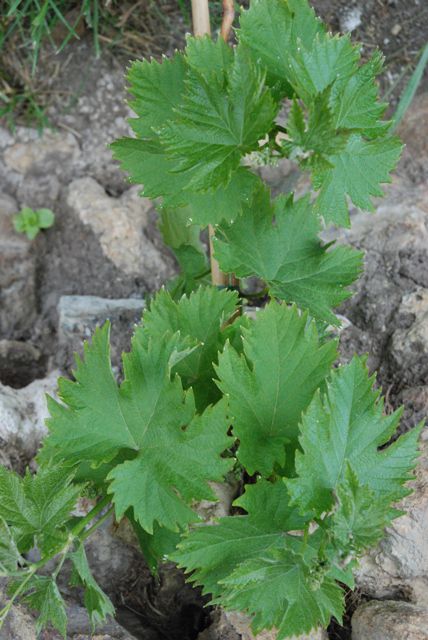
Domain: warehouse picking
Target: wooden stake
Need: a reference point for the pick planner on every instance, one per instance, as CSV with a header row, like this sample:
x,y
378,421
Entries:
x,y
201,18
201,27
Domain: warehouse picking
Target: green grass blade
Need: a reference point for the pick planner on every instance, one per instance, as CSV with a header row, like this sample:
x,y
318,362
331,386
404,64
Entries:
x,y
412,86
14,6
62,19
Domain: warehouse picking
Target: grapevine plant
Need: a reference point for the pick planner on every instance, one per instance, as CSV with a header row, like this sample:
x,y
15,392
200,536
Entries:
x,y
208,390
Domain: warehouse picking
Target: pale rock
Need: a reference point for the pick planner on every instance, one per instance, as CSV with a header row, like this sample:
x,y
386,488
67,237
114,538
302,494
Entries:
x,y
237,626
119,224
390,620
79,627
22,420
79,316
409,346
399,565
43,154
6,138
350,19
226,492
395,242
19,624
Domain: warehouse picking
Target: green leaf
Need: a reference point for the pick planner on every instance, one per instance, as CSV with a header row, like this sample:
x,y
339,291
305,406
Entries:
x,y
9,554
200,317
262,564
42,595
147,164
347,425
157,88
279,590
212,59
172,470
97,603
184,240
178,230
212,552
360,518
354,101
317,135
164,453
327,60
281,245
45,218
270,386
273,31
37,506
225,203
156,546
357,171
216,125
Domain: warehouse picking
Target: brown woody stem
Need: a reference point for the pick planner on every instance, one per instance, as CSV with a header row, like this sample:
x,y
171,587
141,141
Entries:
x,y
228,18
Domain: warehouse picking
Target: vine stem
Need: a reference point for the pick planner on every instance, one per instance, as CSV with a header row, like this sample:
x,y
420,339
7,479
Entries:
x,y
79,533
228,18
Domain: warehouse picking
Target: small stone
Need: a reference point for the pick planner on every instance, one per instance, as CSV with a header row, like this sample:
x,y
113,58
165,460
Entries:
x,y
22,420
19,624
42,155
226,492
79,627
237,626
351,19
390,620
396,29
80,315
120,225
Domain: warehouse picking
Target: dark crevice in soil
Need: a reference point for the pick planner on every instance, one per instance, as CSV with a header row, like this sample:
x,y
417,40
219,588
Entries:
x,y
165,608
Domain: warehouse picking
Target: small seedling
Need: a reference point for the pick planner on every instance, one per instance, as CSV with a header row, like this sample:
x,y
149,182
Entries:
x,y
31,221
